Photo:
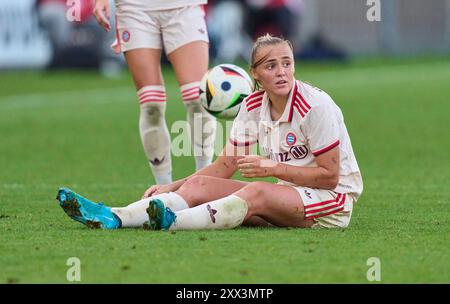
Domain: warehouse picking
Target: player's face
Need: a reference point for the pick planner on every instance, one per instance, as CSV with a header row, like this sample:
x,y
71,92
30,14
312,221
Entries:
x,y
276,72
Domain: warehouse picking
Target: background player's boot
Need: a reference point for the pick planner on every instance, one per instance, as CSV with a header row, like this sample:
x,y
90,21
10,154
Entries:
x,y
159,217
80,209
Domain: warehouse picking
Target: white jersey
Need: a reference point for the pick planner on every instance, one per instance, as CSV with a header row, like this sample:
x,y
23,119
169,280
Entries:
x,y
311,124
157,5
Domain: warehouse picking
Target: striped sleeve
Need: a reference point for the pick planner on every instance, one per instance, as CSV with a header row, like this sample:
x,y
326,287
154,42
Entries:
x,y
244,131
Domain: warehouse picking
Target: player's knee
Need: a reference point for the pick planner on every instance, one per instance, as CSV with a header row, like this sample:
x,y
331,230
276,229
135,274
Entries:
x,y
196,181
193,106
152,101
254,194
152,113
255,190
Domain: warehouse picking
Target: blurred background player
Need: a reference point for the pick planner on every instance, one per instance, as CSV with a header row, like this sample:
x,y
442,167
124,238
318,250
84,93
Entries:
x,y
144,29
75,38
52,17
278,17
305,145
234,25
229,39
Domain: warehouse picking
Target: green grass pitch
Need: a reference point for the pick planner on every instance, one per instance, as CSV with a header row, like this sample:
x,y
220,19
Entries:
x,y
79,130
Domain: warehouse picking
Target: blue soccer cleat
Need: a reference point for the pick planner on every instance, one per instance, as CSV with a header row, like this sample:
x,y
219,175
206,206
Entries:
x,y
159,217
80,209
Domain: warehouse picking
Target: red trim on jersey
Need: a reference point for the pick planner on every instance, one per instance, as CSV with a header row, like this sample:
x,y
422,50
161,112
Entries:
x,y
253,102
294,93
324,202
253,96
304,109
309,214
299,110
326,149
254,107
303,101
301,105
337,202
241,144
327,208
325,214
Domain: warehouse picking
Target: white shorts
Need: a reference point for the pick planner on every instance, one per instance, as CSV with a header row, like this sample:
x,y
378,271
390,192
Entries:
x,y
172,28
327,208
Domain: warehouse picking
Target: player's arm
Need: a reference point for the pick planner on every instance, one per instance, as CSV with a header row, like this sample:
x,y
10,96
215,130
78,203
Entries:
x,y
224,167
102,13
324,176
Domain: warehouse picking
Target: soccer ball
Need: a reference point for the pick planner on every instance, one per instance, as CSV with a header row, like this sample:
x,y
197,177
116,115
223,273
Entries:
x,y
222,90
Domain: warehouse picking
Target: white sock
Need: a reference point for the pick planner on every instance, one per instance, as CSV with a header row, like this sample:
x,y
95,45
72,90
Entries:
x,y
202,125
135,215
154,132
175,202
224,213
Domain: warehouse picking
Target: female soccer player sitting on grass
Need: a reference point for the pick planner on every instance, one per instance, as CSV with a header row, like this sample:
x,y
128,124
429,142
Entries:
x,y
302,133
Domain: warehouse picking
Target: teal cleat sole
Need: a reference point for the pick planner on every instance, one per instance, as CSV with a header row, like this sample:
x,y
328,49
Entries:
x,y
155,217
75,210
159,216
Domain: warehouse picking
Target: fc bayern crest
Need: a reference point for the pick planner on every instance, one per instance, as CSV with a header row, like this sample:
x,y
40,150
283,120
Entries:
x,y
126,36
291,139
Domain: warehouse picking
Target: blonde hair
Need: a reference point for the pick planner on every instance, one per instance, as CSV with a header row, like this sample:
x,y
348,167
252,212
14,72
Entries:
x,y
263,41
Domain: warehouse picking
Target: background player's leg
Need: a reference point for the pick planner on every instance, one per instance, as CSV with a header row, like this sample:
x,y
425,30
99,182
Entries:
x,y
190,63
145,67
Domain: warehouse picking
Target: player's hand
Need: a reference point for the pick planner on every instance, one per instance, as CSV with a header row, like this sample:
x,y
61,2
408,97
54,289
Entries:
x,y
256,166
102,13
158,189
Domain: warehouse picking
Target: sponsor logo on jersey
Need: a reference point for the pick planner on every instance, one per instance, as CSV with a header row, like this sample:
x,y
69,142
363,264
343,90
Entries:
x,y
299,152
291,139
296,152
126,36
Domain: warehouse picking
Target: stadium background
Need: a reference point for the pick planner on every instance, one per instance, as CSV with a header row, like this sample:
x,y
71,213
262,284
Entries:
x,y
73,122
